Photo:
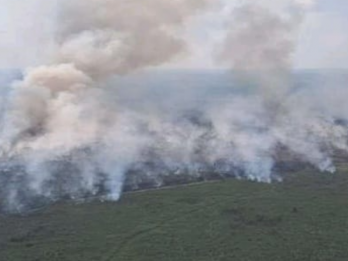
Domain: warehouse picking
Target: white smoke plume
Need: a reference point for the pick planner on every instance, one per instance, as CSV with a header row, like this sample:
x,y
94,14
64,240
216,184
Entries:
x,y
95,41
259,46
67,133
260,41
122,36
60,108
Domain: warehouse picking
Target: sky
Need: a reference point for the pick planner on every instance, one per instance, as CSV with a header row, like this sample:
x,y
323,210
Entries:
x,y
324,38
27,30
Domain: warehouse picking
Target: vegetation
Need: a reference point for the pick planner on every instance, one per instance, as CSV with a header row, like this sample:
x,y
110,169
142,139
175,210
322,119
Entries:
x,y
304,218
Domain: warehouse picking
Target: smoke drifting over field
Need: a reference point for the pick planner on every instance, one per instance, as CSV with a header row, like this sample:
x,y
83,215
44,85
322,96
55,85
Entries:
x,y
68,132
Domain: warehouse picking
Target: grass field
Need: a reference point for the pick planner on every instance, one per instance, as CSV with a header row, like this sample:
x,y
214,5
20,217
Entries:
x,y
303,219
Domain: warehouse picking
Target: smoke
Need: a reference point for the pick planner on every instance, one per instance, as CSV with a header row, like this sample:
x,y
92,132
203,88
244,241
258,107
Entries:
x,y
261,40
259,47
258,40
69,131
95,40
61,108
122,36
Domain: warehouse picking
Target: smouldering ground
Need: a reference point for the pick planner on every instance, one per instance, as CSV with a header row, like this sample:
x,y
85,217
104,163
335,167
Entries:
x,y
304,219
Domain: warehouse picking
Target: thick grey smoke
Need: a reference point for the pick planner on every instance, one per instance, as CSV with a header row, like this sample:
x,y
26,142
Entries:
x,y
95,41
104,37
62,107
68,131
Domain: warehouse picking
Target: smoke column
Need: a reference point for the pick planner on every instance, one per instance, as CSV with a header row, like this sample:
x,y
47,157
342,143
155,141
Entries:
x,y
260,43
259,48
60,108
64,135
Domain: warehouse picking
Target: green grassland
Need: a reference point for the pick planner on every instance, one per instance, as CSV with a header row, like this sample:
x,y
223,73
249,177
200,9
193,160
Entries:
x,y
305,218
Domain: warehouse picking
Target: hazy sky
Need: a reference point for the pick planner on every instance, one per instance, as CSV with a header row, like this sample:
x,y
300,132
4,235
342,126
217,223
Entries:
x,y
26,30
324,38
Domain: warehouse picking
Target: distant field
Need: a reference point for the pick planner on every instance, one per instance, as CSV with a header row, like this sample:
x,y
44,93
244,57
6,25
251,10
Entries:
x,y
304,219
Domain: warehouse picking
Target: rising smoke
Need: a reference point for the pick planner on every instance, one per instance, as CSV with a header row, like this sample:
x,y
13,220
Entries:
x,y
259,47
63,134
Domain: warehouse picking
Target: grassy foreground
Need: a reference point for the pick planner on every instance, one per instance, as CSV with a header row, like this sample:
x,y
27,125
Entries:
x,y
304,219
